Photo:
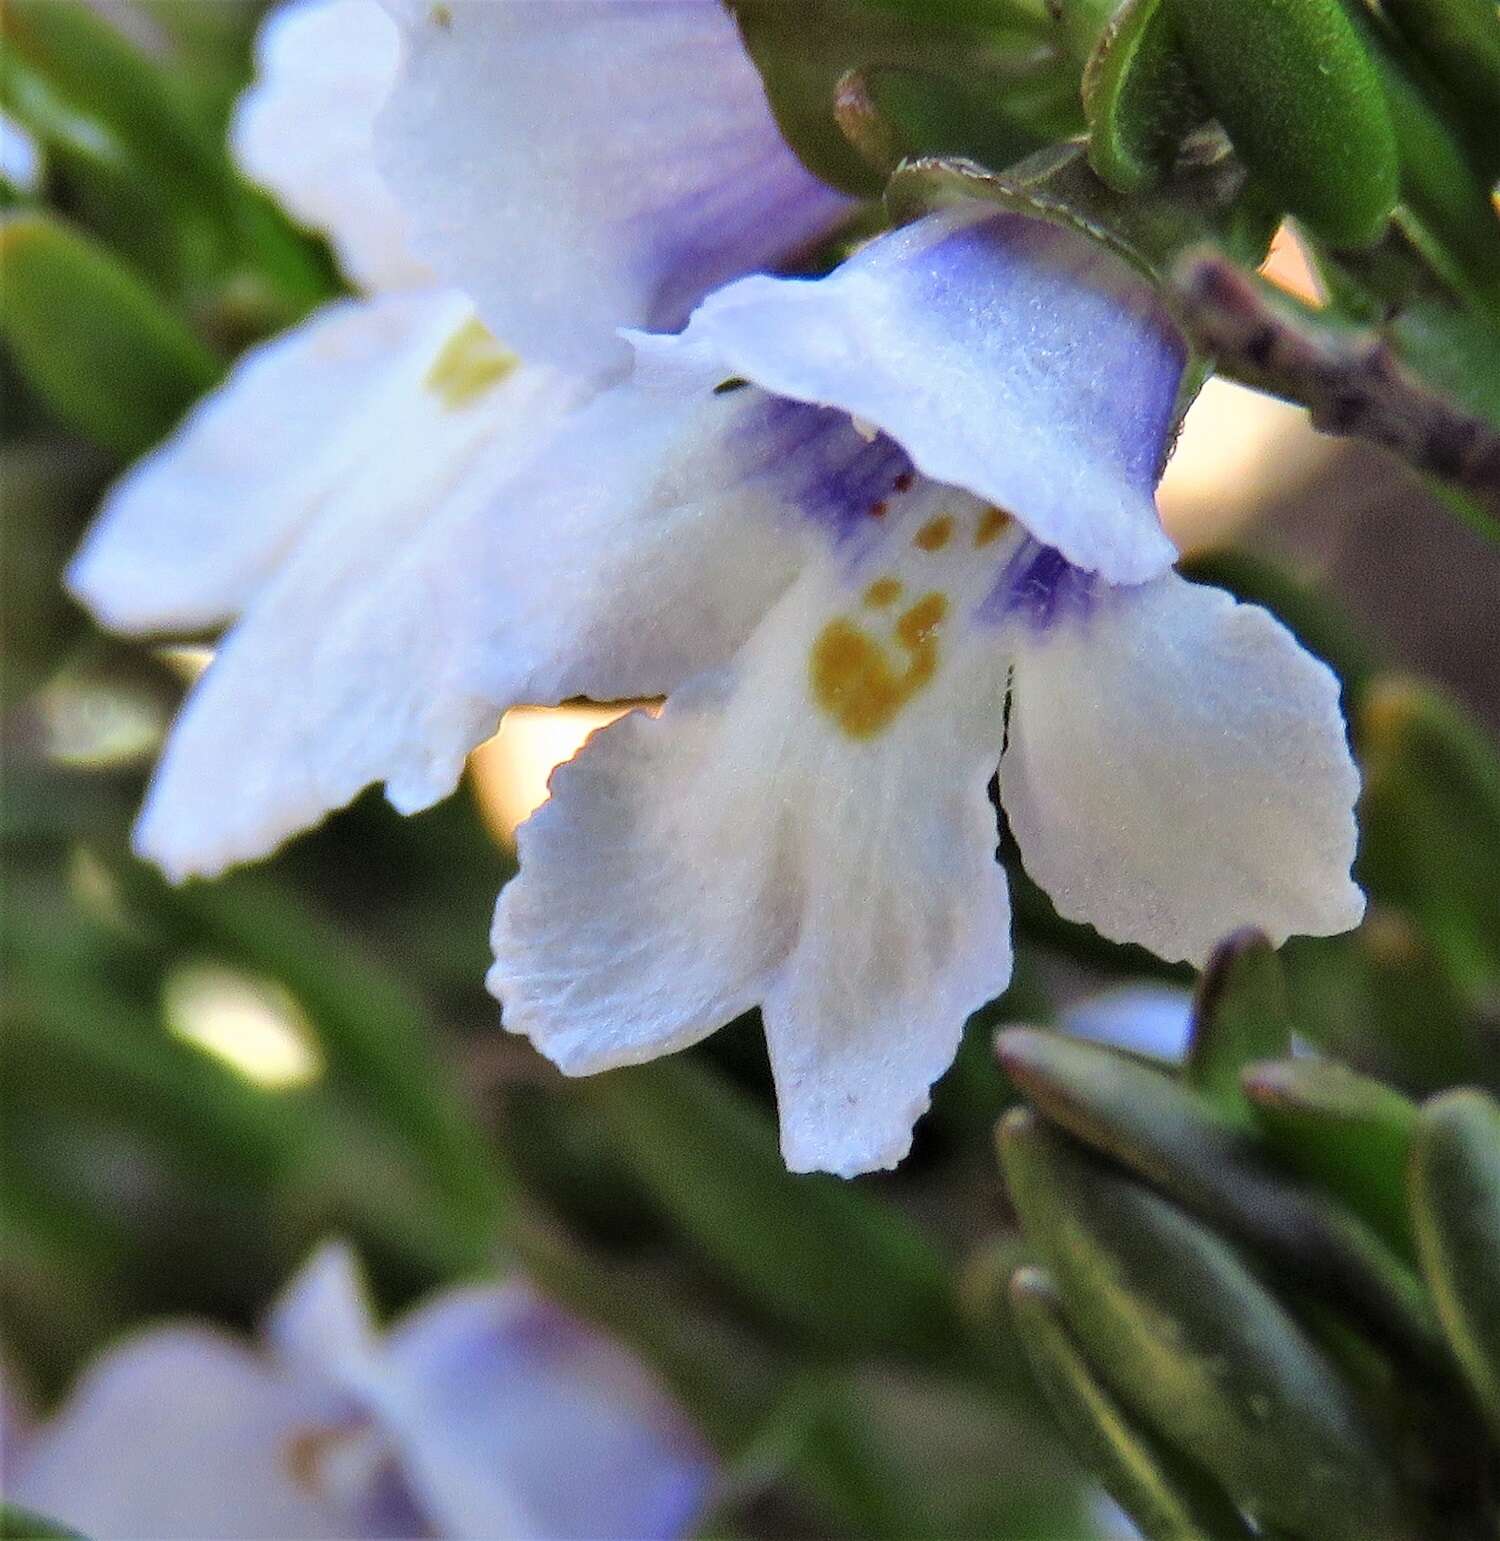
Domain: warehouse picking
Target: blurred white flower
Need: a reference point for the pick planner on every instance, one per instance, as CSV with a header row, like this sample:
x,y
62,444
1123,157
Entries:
x,y
486,1412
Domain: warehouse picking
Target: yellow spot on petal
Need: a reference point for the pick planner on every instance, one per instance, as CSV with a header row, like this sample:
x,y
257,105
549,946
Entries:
x,y
860,682
916,627
470,363
935,534
441,16
883,592
992,525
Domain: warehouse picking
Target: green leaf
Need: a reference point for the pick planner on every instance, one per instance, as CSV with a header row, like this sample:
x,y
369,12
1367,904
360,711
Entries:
x,y
1208,1161
1139,98
891,115
804,51
1345,1131
89,63
1459,42
1447,211
1083,23
92,340
1455,1203
1239,1015
1174,1320
1430,824
154,159
17,1524
1310,118
790,1243
1166,1499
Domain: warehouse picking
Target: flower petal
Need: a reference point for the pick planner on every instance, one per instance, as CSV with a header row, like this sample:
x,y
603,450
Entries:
x,y
190,532
1177,768
585,166
322,1327
514,1419
305,129
1145,1018
807,829
178,1433
635,545
1004,354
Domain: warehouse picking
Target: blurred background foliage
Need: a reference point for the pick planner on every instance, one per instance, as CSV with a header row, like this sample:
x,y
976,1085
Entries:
x,y
201,1083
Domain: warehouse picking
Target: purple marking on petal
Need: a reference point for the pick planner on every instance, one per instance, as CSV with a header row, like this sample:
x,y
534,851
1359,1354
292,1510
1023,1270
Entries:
x,y
756,221
975,257
1042,587
837,478
388,1510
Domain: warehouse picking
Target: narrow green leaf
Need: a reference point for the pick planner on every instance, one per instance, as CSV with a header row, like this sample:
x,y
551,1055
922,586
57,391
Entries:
x,y
815,1253
1219,1169
92,340
1189,1337
1139,98
1310,118
1344,1131
1239,1015
1430,824
1153,1485
1443,192
1459,42
1455,1202
1083,22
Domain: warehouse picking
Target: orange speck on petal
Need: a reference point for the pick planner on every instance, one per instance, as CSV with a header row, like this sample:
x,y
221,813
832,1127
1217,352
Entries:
x,y
884,591
992,524
935,534
918,624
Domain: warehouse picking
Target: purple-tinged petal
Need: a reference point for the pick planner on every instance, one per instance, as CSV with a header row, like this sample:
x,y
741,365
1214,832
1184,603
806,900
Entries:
x,y
322,1327
581,166
180,1433
515,1419
1005,355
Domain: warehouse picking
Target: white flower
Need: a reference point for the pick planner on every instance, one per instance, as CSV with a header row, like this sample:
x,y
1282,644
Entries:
x,y
485,1412
806,827
857,622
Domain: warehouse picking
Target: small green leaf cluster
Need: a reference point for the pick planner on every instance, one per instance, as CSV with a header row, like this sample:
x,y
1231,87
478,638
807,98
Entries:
x,y
1264,1291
